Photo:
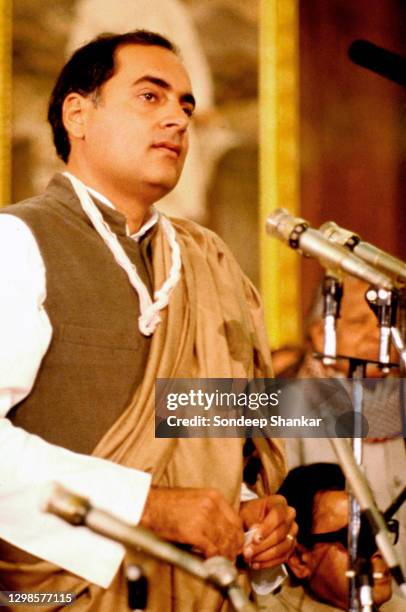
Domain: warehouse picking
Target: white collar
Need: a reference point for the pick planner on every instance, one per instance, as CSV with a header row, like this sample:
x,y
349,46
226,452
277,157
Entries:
x,y
150,309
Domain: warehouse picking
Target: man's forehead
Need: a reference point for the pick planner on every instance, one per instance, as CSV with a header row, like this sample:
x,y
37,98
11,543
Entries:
x,y
135,61
330,511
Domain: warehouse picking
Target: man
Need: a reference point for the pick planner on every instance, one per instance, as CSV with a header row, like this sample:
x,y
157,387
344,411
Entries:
x,y
319,562
101,296
384,457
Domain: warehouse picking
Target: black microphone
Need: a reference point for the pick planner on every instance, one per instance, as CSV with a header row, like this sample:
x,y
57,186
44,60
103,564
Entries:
x,y
389,65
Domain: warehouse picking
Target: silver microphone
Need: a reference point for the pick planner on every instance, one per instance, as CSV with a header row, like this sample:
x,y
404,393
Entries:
x,y
389,264
298,235
78,511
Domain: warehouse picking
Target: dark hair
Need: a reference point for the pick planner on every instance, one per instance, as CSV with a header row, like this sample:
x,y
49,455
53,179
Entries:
x,y
86,71
300,487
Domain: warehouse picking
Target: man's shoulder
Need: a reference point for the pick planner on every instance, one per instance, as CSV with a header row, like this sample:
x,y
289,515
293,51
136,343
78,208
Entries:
x,y
201,236
33,207
22,224
189,227
25,207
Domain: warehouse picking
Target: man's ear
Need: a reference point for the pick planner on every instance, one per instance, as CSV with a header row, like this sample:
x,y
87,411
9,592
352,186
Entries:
x,y
74,114
299,562
316,334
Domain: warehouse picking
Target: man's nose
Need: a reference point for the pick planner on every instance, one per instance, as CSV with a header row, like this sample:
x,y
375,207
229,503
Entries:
x,y
174,116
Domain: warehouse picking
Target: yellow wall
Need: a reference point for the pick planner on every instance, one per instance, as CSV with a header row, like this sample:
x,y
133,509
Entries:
x,y
5,100
279,164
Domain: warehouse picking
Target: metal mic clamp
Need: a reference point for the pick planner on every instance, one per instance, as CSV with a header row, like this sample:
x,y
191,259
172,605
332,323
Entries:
x,y
137,585
384,304
364,584
222,573
297,231
332,294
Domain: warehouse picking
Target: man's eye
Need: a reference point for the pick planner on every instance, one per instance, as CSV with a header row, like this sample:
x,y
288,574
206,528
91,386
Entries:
x,y
149,96
188,110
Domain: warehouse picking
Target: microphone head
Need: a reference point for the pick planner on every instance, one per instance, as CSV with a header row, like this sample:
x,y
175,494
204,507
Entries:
x,y
68,506
339,235
220,571
281,223
385,63
328,229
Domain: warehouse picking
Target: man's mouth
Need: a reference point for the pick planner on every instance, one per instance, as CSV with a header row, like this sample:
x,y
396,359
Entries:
x,y
381,576
168,146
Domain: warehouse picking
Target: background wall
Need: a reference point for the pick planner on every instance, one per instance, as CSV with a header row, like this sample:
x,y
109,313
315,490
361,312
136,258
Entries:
x,y
352,122
353,125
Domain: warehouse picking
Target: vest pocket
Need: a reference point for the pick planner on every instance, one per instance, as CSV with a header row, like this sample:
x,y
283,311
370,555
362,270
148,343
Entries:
x,y
89,336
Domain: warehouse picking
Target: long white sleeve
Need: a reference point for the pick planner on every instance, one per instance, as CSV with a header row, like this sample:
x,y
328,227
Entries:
x,y
25,330
28,464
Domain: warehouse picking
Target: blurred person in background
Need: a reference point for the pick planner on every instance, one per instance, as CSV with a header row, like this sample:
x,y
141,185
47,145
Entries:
x,y
319,562
384,458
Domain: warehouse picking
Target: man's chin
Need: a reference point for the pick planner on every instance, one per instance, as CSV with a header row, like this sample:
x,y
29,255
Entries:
x,y
382,591
161,186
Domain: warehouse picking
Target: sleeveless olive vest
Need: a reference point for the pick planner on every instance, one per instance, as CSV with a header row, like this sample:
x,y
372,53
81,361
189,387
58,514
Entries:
x,y
97,355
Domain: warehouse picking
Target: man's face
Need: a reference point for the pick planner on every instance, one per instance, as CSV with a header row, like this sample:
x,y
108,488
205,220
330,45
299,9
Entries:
x,y
357,328
135,131
328,562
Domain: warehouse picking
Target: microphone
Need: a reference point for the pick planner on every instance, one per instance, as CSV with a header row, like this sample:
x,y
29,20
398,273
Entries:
x,y
78,511
334,257
378,258
385,63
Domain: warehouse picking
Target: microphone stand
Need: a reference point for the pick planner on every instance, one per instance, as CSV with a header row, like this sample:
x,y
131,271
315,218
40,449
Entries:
x,y
359,569
137,585
364,583
332,294
217,571
395,505
362,491
384,304
297,233
398,335
361,498
360,588
357,371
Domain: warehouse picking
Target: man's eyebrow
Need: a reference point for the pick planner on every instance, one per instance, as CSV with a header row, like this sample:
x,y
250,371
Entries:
x,y
186,97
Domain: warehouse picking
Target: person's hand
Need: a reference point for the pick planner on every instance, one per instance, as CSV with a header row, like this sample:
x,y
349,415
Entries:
x,y
199,517
275,531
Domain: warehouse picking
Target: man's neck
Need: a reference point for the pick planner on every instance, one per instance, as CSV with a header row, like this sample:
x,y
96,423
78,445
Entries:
x,y
136,210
